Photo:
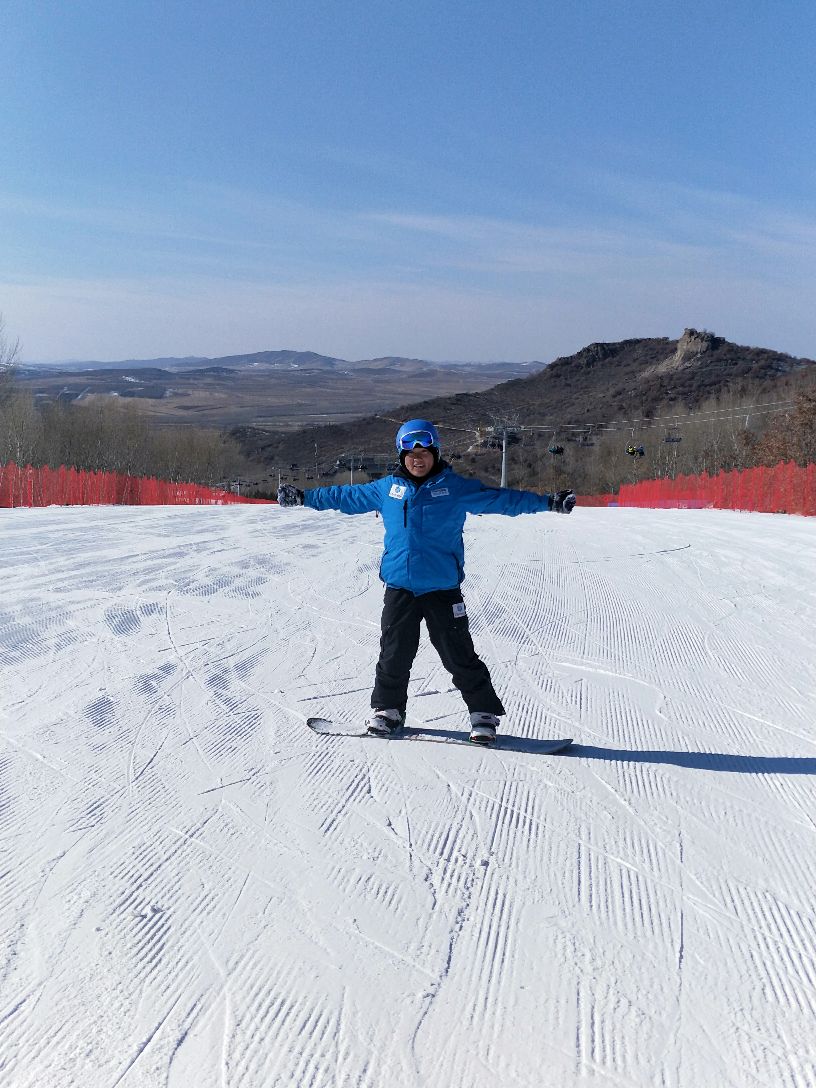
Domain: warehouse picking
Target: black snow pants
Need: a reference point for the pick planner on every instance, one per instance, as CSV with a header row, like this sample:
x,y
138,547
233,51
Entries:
x,y
448,629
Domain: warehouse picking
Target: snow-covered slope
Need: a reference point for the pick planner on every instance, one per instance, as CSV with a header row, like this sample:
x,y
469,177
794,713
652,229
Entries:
x,y
196,891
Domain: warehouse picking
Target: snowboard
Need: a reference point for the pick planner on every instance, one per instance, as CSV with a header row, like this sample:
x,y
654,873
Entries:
x,y
325,727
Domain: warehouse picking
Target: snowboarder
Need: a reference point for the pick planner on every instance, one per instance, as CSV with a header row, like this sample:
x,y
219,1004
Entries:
x,y
423,506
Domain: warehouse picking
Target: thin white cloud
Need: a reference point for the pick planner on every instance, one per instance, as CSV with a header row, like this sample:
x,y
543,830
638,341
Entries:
x,y
134,220
444,286
108,319
656,227
702,228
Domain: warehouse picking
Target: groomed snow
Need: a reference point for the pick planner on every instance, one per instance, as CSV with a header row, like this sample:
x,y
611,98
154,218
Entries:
x,y
195,891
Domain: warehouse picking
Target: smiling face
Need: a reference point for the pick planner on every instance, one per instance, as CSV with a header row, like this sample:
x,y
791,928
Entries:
x,y
419,461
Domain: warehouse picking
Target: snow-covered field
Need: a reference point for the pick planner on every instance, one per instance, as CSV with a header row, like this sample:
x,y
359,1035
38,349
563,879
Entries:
x,y
196,891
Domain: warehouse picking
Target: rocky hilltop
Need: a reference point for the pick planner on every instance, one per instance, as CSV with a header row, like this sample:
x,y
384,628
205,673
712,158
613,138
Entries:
x,y
602,383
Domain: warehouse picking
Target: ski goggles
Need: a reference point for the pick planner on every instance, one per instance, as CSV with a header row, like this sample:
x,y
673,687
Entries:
x,y
417,438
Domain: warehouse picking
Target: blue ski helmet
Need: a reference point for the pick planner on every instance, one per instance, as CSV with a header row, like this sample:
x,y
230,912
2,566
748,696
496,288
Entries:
x,y
417,432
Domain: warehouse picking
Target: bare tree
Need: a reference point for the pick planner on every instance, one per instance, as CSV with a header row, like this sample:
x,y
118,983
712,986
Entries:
x,y
792,437
21,429
20,424
9,352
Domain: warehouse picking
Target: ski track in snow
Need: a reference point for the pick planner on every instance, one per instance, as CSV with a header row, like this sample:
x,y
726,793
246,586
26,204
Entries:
x,y
195,890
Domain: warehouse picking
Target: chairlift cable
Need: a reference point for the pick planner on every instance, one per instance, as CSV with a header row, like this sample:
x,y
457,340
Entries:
x,y
649,420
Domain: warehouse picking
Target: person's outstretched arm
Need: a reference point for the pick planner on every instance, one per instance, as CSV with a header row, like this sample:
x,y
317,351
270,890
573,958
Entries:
x,y
347,498
482,499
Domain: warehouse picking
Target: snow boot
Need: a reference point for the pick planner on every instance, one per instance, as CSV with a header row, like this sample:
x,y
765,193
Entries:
x,y
483,727
384,723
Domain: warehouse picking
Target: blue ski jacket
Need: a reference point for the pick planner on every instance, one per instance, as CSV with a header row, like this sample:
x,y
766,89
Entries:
x,y
424,519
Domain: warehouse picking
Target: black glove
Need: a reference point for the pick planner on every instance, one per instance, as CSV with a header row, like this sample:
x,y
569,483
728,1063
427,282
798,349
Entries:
x,y
289,495
562,502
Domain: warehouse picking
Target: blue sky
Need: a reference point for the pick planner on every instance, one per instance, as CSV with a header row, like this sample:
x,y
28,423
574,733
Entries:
x,y
451,180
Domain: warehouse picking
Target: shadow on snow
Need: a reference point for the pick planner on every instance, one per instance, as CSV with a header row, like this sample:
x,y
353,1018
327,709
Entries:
x,y
698,761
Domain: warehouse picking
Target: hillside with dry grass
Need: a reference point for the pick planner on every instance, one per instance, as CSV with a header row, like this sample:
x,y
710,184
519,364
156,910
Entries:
x,y
696,403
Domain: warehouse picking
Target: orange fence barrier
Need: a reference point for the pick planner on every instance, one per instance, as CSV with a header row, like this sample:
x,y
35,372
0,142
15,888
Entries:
x,y
27,486
785,488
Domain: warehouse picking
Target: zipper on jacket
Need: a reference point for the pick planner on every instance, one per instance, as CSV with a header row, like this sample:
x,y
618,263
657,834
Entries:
x,y
405,513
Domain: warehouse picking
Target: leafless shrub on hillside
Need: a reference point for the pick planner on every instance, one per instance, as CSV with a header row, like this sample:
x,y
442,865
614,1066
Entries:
x,y
208,457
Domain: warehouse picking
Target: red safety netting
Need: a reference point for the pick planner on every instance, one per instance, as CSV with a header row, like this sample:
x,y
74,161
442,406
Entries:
x,y
785,488
27,486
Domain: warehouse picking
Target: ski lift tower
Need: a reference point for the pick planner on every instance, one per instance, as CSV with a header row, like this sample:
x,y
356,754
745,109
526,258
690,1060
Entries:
x,y
505,427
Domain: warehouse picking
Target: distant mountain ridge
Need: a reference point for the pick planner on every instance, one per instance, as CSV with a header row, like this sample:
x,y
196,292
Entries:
x,y
274,360
267,388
